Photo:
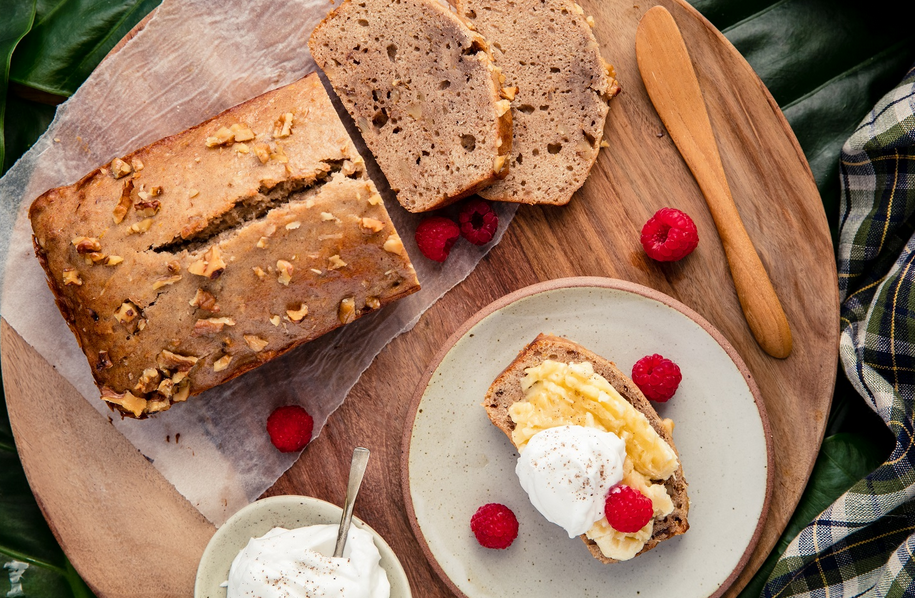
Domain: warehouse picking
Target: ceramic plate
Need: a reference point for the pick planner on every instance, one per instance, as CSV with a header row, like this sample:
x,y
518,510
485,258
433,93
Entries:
x,y
455,460
290,512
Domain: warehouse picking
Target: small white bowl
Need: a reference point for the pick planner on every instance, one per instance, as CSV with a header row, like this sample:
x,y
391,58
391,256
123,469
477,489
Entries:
x,y
289,512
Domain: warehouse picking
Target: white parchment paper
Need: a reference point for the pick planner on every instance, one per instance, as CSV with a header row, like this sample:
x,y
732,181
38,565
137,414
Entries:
x,y
194,59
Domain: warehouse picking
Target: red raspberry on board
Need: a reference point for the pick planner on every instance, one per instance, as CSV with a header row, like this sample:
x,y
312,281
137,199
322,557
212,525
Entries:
x,y
435,236
478,222
657,377
495,526
290,428
627,509
669,235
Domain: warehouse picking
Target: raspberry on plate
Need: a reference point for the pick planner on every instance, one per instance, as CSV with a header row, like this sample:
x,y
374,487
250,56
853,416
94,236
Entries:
x,y
435,236
478,222
494,525
669,235
657,377
290,428
627,510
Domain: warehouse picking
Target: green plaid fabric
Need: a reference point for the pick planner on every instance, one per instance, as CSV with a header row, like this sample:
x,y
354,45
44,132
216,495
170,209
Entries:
x,y
864,543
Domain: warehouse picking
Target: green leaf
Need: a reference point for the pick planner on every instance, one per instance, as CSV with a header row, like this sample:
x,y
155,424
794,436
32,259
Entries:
x,y
70,38
25,122
844,459
15,24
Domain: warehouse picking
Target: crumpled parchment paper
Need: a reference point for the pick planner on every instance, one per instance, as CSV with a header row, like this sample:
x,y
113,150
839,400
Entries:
x,y
194,59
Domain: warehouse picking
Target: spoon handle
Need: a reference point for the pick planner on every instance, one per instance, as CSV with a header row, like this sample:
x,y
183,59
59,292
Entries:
x,y
671,82
356,471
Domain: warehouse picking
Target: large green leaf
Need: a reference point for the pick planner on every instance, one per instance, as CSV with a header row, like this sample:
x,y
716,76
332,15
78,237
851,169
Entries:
x,y
15,24
843,460
25,122
70,38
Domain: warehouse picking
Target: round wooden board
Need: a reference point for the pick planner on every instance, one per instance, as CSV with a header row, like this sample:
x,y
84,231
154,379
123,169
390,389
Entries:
x,y
596,235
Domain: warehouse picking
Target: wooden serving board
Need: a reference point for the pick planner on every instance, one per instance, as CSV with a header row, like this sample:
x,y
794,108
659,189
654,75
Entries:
x,y
128,532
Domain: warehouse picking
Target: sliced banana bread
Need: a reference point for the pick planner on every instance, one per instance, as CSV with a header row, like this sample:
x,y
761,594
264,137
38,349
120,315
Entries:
x,y
560,89
422,88
507,390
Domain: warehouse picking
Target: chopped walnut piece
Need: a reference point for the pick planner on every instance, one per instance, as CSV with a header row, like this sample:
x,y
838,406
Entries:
x,y
285,272
71,276
393,244
86,245
183,391
211,265
149,381
603,143
157,404
130,403
260,272
498,163
262,151
372,302
222,363
509,93
242,132
221,137
120,168
164,282
124,203
375,200
204,300
126,313
172,361
241,148
211,325
96,257
193,193
590,20
166,388
296,315
293,225
279,154
502,106
283,126
371,224
140,227
104,362
173,266
147,208
275,320
113,260
137,164
257,344
346,313
177,377
335,262
327,216
262,243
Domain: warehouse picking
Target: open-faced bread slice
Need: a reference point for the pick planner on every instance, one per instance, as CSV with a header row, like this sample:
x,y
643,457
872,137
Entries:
x,y
507,390
422,88
560,88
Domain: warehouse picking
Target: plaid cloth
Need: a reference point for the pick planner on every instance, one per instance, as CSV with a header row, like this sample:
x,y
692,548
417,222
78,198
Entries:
x,y
864,543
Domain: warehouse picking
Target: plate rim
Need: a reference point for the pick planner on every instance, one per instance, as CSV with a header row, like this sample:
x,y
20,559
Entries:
x,y
570,283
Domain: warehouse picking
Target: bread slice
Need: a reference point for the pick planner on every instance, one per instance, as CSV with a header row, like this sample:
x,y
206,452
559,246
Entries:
x,y
422,88
547,51
506,390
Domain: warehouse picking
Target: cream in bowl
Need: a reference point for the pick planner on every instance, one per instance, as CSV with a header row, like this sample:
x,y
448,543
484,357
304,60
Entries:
x,y
282,546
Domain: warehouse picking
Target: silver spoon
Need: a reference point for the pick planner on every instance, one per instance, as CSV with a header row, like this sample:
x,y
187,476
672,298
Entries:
x,y
356,471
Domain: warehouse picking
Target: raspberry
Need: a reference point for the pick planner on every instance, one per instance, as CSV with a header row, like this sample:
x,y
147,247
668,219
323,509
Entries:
x,y
669,235
435,236
478,222
656,377
495,526
289,428
627,509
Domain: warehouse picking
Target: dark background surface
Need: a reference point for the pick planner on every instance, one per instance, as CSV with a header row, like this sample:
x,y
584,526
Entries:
x,y
826,63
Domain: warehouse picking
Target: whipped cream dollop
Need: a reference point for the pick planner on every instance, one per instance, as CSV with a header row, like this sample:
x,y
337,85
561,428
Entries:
x,y
567,472
296,564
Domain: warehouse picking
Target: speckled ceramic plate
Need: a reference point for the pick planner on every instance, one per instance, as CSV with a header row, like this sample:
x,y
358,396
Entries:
x,y
455,460
280,511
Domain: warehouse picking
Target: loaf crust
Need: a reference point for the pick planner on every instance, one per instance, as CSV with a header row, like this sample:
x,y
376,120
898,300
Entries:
x,y
506,390
549,55
422,88
195,259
